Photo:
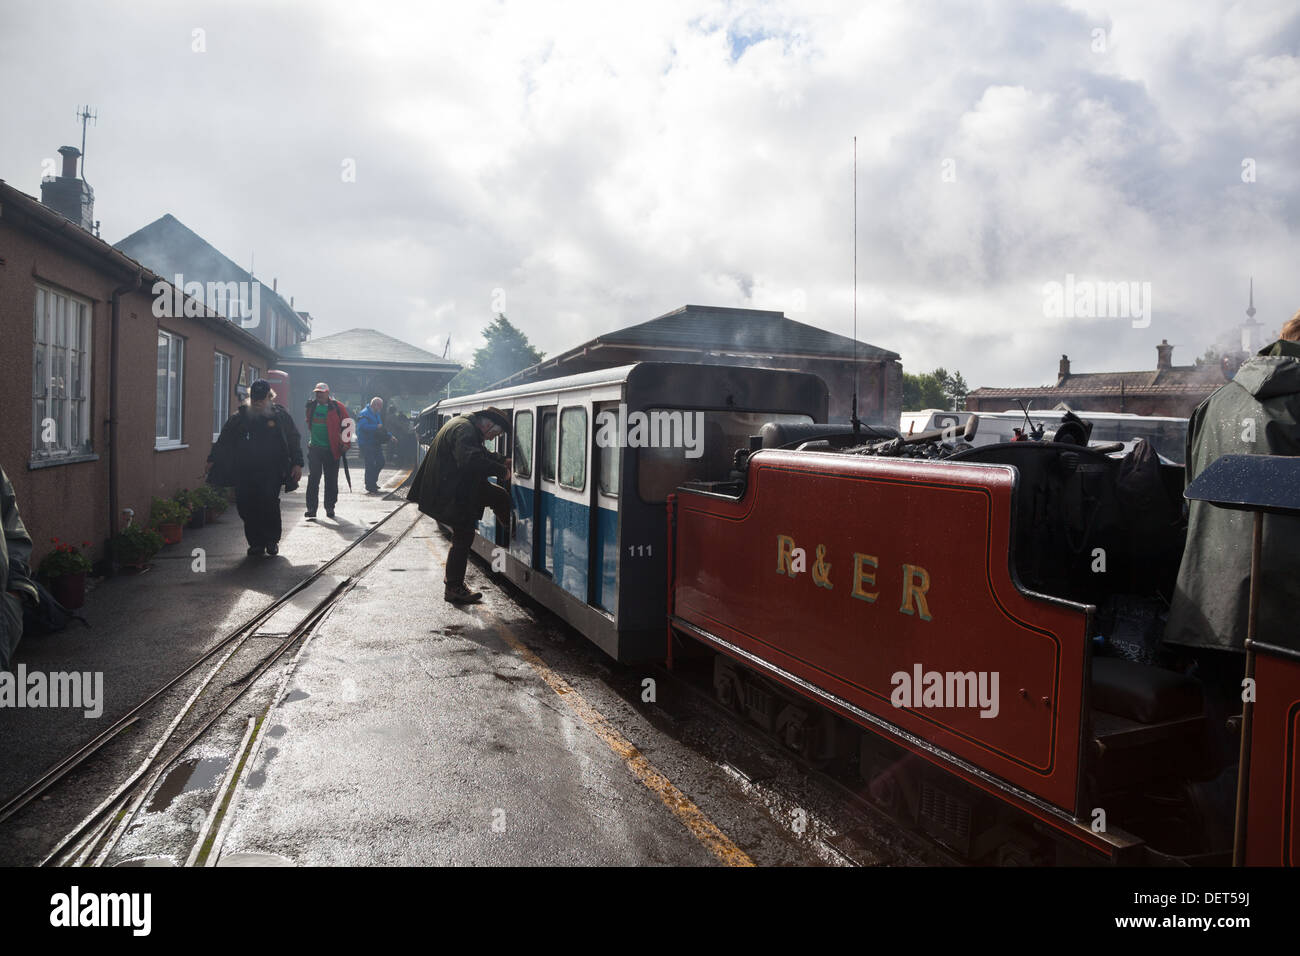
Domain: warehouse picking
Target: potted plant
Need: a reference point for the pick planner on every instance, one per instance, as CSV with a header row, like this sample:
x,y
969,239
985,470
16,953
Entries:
x,y
135,545
194,502
169,516
65,569
214,501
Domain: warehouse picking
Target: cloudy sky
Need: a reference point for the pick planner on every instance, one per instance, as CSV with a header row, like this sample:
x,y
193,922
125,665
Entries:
x,y
604,163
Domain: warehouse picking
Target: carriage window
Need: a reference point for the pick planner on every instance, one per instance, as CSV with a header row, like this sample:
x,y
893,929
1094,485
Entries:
x,y
675,453
548,446
573,448
608,459
523,453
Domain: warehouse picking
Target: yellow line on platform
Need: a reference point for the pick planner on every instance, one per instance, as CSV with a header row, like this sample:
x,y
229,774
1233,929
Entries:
x,y
691,816
682,807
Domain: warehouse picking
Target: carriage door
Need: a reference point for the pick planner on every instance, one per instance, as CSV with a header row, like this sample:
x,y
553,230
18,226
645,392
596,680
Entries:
x,y
523,487
547,490
604,515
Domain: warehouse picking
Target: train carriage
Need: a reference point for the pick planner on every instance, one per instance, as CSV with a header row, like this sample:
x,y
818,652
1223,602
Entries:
x,y
595,457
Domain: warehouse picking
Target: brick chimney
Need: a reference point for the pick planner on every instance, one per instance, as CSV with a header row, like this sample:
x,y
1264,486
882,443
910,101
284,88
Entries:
x,y
1164,355
67,195
1064,371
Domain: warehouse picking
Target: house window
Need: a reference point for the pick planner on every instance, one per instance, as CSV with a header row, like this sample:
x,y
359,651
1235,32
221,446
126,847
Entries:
x,y
60,376
220,392
171,373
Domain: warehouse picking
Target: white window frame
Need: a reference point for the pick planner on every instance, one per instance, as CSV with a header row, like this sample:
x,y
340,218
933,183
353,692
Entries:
x,y
175,392
220,391
56,391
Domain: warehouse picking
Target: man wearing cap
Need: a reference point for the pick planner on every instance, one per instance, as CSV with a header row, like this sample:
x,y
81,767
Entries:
x,y
326,421
258,451
452,487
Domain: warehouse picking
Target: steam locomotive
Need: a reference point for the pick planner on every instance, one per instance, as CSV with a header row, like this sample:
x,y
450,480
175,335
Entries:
x,y
977,628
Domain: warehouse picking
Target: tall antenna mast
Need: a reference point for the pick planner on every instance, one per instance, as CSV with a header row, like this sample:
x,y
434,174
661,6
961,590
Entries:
x,y
84,114
857,425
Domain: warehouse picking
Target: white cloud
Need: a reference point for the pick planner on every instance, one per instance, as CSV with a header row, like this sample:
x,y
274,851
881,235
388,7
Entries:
x,y
606,163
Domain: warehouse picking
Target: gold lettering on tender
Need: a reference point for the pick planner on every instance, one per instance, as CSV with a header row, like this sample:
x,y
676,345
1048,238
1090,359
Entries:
x,y
821,570
916,582
861,577
784,551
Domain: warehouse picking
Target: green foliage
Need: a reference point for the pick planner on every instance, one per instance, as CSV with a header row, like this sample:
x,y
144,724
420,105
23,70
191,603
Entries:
x,y
1212,356
66,558
207,496
168,511
937,389
191,500
506,352
136,543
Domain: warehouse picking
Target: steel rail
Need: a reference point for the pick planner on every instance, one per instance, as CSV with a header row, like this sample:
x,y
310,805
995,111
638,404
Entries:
x,y
65,765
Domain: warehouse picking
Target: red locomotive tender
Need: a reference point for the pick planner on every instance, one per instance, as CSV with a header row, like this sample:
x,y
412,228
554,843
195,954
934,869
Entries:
x,y
980,625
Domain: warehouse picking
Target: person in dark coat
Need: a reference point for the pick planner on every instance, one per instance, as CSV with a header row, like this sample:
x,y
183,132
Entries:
x,y
259,450
15,572
452,487
1257,413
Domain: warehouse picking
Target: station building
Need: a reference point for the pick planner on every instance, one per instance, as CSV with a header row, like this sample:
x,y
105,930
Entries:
x,y
111,404
1168,390
713,335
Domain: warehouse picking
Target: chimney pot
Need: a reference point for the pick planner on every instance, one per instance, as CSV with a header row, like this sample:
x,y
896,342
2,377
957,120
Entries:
x,y
1164,355
70,155
275,285
1064,370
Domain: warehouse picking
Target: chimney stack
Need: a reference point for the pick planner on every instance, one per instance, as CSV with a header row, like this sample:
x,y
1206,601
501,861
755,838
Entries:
x,y
67,195
1064,371
1164,355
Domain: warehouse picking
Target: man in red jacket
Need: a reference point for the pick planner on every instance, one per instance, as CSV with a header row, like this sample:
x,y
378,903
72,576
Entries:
x,y
327,421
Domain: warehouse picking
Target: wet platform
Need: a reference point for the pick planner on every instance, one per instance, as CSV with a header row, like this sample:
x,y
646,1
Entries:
x,y
414,732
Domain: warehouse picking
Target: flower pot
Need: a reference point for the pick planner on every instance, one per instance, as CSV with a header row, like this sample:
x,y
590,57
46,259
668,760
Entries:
x,y
212,514
172,533
197,518
69,589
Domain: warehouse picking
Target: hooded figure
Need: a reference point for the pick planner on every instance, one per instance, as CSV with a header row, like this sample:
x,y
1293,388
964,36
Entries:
x,y
1257,413
452,487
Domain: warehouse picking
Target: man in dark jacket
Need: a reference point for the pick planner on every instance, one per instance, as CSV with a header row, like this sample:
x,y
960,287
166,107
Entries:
x,y
15,572
452,487
328,440
258,450
1257,413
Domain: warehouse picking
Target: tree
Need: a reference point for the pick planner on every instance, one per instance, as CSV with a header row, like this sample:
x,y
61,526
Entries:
x,y
937,389
1212,356
507,350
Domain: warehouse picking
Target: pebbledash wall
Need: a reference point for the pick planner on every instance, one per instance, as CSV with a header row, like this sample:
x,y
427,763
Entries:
x,y
68,495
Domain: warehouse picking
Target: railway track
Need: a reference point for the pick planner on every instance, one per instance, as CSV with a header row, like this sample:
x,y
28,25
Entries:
x,y
851,845
236,664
